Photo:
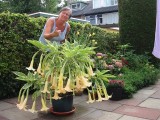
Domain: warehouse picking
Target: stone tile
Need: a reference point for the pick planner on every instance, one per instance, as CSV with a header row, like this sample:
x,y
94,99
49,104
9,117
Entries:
x,y
158,118
101,115
104,105
141,112
16,114
79,99
80,112
156,94
11,100
3,118
146,92
151,103
135,100
4,106
125,117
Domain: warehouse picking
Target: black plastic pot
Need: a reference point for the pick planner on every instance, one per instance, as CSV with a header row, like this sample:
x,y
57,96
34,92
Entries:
x,y
65,104
116,93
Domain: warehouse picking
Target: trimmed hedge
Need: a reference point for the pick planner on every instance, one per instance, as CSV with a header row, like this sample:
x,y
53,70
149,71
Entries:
x,y
16,53
137,24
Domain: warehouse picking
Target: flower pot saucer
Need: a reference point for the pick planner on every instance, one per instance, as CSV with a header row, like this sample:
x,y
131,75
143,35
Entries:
x,y
62,113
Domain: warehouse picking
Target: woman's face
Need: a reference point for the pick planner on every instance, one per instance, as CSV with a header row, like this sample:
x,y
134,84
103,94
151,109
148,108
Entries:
x,y
64,15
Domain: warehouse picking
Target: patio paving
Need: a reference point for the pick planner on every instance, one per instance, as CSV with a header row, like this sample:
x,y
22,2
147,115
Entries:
x,y
145,105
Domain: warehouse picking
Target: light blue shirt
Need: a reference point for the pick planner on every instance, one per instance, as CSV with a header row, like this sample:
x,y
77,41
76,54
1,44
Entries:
x,y
59,38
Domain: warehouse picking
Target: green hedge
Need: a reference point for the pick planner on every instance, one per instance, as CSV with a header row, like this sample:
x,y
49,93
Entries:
x,y
137,24
16,53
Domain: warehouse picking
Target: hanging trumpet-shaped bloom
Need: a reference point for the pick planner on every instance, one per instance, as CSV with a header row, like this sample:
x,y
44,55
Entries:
x,y
67,88
32,62
21,101
90,98
99,96
56,97
45,90
90,71
22,106
84,82
31,66
60,82
33,110
54,82
78,86
44,107
39,65
106,96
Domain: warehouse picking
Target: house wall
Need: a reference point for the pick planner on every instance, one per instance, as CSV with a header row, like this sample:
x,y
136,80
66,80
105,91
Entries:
x,y
110,18
104,3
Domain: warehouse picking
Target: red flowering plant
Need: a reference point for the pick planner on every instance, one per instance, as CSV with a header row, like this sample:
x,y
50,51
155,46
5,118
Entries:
x,y
116,83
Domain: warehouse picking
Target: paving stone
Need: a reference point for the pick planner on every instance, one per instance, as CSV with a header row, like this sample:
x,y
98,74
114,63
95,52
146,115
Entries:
x,y
101,115
4,106
104,105
125,117
141,112
11,100
135,100
146,92
80,112
79,99
158,118
3,118
16,114
151,103
156,94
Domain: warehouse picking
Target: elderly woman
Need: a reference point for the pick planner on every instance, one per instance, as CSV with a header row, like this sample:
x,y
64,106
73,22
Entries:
x,y
56,29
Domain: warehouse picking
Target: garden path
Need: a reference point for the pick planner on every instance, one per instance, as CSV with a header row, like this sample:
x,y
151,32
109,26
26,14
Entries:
x,y
145,105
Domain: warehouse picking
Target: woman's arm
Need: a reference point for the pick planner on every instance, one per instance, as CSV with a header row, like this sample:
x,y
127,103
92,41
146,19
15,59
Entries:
x,y
68,30
47,33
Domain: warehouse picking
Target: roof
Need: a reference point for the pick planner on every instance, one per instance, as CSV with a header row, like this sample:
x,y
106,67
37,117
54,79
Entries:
x,y
43,14
88,10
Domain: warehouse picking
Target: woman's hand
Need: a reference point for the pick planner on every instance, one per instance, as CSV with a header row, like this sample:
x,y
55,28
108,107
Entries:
x,y
56,33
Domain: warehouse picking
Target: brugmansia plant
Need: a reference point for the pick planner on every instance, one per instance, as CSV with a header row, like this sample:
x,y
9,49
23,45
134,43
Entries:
x,y
62,68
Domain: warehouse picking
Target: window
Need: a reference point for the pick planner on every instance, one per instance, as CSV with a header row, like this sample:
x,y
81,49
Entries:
x,y
92,19
75,6
114,2
99,19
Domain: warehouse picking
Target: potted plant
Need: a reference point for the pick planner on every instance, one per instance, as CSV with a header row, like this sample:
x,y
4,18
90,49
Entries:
x,y
115,89
62,70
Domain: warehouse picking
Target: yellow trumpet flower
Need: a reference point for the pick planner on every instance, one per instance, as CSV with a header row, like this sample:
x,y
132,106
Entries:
x,y
90,98
90,71
67,88
60,81
106,96
31,66
44,107
32,62
54,82
22,106
21,101
33,110
45,90
99,97
84,82
56,97
39,65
